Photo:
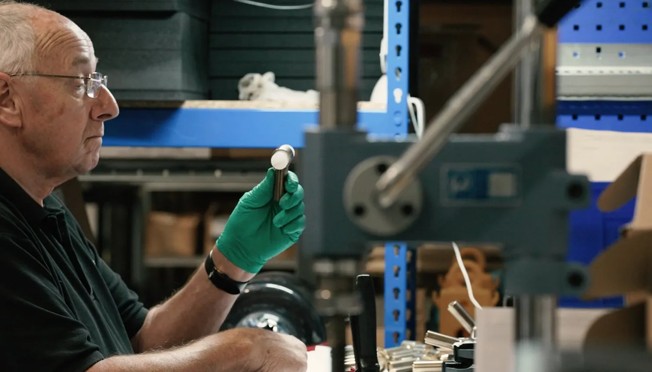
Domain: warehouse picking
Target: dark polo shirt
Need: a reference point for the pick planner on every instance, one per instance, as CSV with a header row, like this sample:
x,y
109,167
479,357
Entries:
x,y
61,307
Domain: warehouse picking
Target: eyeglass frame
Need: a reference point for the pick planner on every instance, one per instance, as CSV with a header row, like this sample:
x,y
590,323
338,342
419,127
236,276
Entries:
x,y
92,82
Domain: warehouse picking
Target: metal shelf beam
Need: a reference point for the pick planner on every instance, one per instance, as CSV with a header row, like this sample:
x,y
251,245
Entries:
x,y
225,128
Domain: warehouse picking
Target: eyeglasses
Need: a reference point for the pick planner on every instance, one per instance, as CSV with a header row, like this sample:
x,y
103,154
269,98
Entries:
x,y
93,82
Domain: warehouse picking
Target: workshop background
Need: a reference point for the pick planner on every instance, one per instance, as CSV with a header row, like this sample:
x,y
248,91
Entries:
x,y
160,53
154,211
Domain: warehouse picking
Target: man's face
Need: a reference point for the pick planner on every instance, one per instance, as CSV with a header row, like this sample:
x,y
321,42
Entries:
x,y
63,127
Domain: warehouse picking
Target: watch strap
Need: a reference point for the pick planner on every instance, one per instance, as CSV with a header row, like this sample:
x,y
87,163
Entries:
x,y
220,279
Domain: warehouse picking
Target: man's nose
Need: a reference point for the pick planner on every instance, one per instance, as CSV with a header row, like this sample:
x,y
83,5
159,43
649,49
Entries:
x,y
106,107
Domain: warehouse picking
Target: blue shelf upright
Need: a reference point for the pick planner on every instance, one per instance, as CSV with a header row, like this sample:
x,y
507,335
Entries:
x,y
400,261
398,50
400,287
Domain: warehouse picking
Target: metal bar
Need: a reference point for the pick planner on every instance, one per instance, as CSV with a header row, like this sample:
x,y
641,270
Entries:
x,y
535,318
462,316
524,71
535,332
455,113
337,42
427,365
280,161
440,340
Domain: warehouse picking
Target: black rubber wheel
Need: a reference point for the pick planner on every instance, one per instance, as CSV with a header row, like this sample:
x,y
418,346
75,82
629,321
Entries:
x,y
280,302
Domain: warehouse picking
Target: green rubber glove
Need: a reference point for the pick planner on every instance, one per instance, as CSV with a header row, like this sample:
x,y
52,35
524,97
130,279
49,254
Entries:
x,y
260,228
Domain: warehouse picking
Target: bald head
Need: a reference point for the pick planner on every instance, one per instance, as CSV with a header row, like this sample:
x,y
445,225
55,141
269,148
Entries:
x,y
30,33
17,42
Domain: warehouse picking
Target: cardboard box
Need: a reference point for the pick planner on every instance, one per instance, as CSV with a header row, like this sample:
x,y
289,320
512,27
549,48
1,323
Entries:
x,y
625,266
603,154
171,235
495,349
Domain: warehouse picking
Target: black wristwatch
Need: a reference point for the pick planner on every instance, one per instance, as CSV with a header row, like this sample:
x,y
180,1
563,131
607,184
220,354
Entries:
x,y
220,279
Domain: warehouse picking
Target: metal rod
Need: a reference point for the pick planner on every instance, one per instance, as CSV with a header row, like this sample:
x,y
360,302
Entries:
x,y
440,340
535,332
457,110
337,42
525,71
427,365
462,316
281,159
536,319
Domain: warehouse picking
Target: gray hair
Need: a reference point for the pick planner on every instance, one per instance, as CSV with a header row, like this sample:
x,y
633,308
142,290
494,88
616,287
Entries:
x,y
17,43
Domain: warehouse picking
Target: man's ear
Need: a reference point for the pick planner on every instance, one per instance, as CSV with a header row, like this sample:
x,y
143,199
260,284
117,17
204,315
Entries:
x,y
9,109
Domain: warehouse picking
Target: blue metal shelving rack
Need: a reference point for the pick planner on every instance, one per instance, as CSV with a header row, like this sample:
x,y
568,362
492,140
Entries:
x,y
266,128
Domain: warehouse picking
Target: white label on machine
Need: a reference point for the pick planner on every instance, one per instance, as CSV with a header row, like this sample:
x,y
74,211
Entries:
x,y
476,184
502,185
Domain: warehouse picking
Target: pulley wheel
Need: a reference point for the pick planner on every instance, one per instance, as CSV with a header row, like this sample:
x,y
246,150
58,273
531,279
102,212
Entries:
x,y
279,302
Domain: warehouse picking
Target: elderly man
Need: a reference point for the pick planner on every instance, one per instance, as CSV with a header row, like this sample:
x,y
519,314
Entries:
x,y
62,307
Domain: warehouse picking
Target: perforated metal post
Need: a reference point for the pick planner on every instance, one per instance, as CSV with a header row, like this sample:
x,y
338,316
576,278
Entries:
x,y
398,15
400,292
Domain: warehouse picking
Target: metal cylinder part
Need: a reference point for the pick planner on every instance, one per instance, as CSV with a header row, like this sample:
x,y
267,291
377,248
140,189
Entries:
x,y
524,73
281,159
462,316
535,332
536,318
440,340
338,32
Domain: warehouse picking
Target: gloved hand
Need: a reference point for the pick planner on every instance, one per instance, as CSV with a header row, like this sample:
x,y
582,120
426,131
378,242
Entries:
x,y
260,228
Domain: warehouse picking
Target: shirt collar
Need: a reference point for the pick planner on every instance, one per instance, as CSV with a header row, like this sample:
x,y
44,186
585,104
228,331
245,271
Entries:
x,y
15,194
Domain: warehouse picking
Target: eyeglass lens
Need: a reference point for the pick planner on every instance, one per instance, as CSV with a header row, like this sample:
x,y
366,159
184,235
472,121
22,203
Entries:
x,y
95,83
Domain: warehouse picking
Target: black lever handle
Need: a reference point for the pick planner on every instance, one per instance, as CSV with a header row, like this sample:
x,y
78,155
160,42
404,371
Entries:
x,y
549,12
363,327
